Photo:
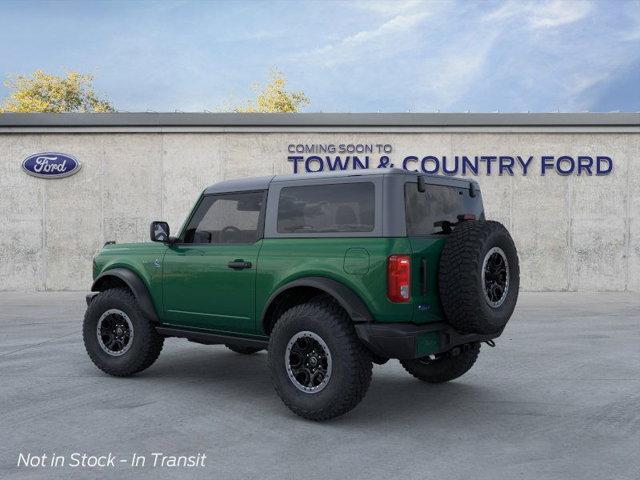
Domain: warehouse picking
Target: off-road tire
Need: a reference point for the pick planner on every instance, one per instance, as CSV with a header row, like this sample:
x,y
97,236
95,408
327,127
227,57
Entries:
x,y
461,289
351,364
146,344
243,350
445,367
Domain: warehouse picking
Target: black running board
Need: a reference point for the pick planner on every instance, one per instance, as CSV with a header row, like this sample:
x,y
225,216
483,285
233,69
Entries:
x,y
209,338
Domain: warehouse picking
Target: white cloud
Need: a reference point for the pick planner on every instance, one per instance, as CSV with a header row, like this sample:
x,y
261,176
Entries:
x,y
506,11
541,14
393,36
389,7
632,13
556,13
577,83
464,64
456,69
517,56
565,67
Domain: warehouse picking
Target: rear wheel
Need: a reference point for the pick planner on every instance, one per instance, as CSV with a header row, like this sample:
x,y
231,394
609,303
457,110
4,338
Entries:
x,y
119,339
243,350
318,366
443,367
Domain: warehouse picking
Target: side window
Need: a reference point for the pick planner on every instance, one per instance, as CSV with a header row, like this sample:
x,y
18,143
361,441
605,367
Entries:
x,y
227,218
342,207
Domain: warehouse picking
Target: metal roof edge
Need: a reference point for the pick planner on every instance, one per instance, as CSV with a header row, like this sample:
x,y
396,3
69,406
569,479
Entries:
x,y
283,120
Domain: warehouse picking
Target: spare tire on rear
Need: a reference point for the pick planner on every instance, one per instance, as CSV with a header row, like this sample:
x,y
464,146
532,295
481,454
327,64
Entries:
x,y
479,277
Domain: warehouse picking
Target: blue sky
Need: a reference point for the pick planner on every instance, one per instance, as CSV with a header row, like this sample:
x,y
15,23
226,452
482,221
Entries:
x,y
389,56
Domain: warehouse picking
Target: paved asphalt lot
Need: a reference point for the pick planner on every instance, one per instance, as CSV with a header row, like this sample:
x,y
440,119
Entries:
x,y
558,398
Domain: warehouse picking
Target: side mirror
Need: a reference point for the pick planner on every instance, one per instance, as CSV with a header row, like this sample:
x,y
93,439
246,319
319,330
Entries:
x,y
159,232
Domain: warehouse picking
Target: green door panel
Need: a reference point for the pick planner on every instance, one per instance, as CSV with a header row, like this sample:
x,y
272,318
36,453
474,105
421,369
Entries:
x,y
201,291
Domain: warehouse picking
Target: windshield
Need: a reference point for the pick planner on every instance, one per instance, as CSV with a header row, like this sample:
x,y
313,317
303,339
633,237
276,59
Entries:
x,y
439,203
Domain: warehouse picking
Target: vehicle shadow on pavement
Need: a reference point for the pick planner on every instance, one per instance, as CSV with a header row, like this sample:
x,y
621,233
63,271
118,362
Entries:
x,y
393,394
396,396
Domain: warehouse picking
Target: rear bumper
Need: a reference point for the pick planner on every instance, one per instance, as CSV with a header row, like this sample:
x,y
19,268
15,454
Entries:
x,y
405,340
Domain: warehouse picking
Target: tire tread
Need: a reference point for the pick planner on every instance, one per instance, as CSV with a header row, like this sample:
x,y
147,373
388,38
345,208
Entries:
x,y
360,370
459,277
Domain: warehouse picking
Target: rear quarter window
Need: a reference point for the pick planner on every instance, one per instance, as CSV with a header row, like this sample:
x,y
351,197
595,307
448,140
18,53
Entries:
x,y
344,207
437,203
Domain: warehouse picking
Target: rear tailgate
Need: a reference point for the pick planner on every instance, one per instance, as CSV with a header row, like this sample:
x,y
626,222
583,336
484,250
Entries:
x,y
438,203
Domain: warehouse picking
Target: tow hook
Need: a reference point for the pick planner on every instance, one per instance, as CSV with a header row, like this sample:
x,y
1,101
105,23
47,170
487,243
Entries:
x,y
491,343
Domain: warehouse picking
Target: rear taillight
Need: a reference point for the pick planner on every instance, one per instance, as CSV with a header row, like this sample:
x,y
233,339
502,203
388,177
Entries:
x,y
399,278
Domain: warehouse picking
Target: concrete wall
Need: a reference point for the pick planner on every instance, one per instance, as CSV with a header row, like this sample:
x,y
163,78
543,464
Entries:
x,y
573,233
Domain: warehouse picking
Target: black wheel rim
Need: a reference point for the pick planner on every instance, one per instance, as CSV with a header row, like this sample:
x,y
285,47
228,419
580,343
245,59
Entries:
x,y
115,332
308,362
495,277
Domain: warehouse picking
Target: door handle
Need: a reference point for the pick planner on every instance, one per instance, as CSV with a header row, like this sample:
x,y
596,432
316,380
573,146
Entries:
x,y
239,264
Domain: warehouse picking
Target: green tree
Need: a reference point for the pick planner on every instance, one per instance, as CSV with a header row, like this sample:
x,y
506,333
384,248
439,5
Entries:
x,y
42,92
273,97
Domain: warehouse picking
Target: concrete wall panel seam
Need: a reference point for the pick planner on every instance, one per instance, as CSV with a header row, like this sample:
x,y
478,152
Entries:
x,y
627,232
162,155
45,251
569,257
103,155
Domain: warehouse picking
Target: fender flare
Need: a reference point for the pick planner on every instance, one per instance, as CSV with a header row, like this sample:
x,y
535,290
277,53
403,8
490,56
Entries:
x,y
135,284
346,297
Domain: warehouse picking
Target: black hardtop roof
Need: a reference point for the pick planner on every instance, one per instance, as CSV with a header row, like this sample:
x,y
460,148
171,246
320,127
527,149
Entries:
x,y
262,183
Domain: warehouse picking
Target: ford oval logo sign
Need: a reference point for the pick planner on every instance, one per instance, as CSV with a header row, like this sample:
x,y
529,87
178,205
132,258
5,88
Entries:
x,y
51,165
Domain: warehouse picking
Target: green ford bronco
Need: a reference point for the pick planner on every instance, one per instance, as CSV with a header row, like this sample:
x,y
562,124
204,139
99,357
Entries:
x,y
328,272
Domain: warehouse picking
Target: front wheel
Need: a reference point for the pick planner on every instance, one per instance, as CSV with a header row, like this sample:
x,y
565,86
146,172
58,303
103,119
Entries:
x,y
318,366
118,338
443,367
